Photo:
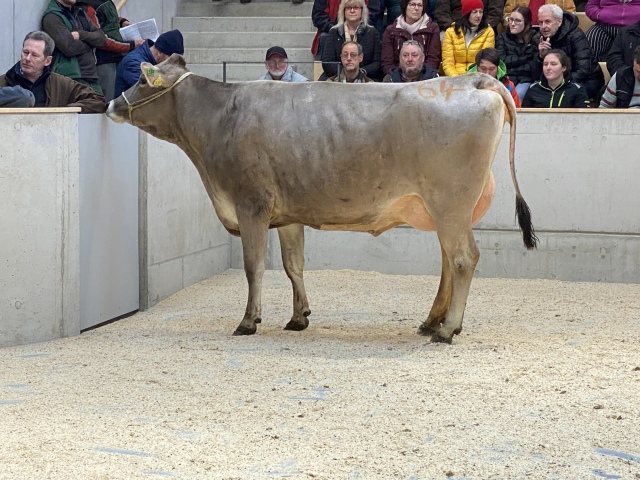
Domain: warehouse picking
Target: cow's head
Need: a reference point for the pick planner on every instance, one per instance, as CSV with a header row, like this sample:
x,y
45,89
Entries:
x,y
147,101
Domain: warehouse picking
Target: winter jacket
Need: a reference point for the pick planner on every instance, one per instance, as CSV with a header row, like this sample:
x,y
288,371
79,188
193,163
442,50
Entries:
x,y
510,5
518,57
506,81
395,75
621,52
103,14
361,78
449,12
456,57
621,90
394,36
72,58
567,95
59,91
367,36
324,16
569,37
16,97
613,12
129,71
289,76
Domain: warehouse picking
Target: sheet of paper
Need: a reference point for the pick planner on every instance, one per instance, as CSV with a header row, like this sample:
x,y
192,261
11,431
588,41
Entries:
x,y
146,29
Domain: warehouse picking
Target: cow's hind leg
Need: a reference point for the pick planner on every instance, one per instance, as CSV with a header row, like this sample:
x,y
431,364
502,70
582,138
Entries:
x,y
442,301
254,229
292,248
463,255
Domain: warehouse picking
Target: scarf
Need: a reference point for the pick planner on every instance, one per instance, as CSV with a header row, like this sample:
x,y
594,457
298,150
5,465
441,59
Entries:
x,y
415,26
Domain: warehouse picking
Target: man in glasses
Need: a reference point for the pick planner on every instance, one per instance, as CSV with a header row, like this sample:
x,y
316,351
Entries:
x,y
412,67
277,65
350,57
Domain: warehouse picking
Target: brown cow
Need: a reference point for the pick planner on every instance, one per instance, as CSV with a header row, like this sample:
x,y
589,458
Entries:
x,y
334,156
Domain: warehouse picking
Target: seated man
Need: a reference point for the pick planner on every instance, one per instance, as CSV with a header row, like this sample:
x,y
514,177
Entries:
x,y
350,57
277,65
560,30
624,45
16,97
33,73
128,71
412,67
623,90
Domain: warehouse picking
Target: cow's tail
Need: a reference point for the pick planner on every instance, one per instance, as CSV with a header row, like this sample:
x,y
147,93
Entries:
x,y
522,209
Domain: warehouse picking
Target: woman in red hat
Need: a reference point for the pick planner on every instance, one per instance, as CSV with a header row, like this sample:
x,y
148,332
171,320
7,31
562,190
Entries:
x,y
464,39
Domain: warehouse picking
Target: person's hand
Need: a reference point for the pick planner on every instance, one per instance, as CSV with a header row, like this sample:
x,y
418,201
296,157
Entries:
x,y
543,46
139,42
126,23
75,35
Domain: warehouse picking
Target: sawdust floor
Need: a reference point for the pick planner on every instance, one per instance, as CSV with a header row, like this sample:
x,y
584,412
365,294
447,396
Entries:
x,y
543,382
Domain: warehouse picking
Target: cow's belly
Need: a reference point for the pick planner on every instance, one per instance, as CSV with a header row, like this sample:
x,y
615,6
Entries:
x,y
411,210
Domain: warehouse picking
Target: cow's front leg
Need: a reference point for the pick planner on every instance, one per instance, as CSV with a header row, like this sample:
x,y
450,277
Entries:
x,y
292,248
254,229
442,301
463,256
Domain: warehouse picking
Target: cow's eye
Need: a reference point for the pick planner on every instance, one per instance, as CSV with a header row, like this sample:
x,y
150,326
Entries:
x,y
143,80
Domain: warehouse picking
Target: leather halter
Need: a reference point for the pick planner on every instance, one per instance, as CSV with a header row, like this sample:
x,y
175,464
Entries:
x,y
132,106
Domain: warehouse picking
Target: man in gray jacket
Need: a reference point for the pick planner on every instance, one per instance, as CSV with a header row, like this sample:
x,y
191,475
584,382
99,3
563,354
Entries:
x,y
277,64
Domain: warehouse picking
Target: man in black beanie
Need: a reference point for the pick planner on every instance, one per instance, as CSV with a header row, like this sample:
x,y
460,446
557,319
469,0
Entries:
x,y
129,68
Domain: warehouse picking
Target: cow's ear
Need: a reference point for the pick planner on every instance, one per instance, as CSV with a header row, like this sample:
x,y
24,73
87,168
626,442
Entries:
x,y
177,59
152,75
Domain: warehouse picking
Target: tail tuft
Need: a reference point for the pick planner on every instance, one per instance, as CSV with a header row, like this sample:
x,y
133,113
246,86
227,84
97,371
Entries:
x,y
524,220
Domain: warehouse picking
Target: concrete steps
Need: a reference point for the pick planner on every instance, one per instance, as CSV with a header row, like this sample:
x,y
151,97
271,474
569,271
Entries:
x,y
253,9
243,24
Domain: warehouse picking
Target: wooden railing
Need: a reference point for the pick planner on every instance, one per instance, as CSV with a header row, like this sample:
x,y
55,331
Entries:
x,y
121,4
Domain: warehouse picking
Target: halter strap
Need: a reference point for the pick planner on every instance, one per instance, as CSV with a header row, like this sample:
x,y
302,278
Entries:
x,y
132,106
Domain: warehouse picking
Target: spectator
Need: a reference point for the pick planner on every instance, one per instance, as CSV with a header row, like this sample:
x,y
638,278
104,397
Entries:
x,y
16,97
351,72
488,61
623,90
353,18
449,12
555,89
534,5
610,16
393,11
559,30
75,38
324,16
412,67
128,70
413,24
466,38
277,64
518,48
624,45
103,15
33,73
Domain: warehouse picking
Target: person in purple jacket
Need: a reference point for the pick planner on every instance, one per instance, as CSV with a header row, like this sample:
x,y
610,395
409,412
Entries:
x,y
610,16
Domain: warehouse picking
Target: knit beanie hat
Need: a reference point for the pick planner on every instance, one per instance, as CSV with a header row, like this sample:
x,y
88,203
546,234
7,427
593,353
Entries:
x,y
470,6
171,42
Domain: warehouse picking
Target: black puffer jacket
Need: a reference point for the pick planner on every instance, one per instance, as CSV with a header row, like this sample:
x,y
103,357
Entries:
x,y
367,36
625,43
573,41
520,58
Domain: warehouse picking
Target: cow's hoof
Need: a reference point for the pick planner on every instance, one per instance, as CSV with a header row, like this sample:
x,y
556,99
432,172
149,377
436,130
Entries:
x,y
244,330
297,326
437,338
426,330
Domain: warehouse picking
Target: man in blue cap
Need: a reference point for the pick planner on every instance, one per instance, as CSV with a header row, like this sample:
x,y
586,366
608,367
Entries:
x,y
129,68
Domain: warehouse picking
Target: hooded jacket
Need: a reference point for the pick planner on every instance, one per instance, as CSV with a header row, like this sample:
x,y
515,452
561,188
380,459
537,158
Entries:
x,y
519,58
129,71
428,35
288,76
506,81
566,95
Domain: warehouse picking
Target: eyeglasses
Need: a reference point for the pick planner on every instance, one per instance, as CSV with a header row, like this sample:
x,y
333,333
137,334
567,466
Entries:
x,y
353,8
282,61
515,20
415,5
349,55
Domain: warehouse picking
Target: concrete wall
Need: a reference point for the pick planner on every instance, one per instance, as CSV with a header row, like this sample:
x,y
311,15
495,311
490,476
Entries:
x,y
39,238
22,16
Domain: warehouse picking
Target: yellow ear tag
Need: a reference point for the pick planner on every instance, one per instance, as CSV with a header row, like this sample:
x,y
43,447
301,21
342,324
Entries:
x,y
158,82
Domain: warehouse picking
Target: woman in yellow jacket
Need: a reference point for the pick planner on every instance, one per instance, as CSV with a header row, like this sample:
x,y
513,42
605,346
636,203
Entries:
x,y
463,40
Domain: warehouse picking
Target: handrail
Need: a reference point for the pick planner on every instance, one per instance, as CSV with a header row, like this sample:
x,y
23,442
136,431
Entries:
x,y
120,5
224,66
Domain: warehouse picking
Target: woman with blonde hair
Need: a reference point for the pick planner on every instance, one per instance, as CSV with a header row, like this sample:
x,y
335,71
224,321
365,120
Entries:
x,y
353,18
464,39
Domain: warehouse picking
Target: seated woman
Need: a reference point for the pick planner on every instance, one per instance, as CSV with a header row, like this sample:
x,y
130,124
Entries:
x,y
488,61
533,5
466,38
555,89
518,48
610,16
353,18
413,24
